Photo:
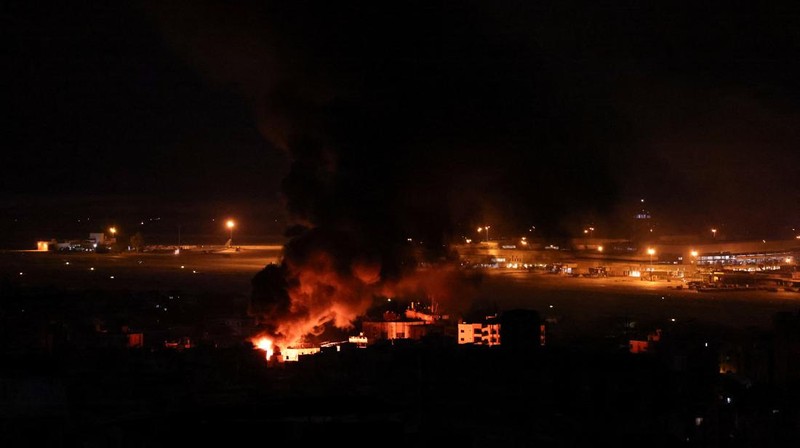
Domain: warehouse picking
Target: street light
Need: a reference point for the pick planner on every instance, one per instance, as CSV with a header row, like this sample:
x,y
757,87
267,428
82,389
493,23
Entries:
x,y
651,252
714,233
230,224
113,231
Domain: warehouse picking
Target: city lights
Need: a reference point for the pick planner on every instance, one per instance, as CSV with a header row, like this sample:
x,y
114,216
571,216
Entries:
x,y
480,229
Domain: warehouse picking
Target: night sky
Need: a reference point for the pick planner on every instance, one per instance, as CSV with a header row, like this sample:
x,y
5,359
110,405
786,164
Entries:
x,y
401,119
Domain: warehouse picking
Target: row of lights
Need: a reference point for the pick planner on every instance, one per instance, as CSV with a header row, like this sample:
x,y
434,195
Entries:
x,y
587,231
230,224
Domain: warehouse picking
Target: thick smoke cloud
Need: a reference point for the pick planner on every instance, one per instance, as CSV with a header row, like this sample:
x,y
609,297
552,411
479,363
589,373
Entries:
x,y
328,276
346,92
430,117
406,126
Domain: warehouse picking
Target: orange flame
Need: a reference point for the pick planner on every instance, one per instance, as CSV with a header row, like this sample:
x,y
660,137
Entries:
x,y
263,343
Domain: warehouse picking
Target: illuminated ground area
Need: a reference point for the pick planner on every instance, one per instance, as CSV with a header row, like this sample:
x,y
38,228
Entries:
x,y
592,302
581,304
190,271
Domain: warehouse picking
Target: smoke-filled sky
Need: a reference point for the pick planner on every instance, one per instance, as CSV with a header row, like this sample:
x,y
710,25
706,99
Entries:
x,y
416,119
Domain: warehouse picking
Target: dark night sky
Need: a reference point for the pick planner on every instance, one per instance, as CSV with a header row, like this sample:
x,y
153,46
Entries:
x,y
434,116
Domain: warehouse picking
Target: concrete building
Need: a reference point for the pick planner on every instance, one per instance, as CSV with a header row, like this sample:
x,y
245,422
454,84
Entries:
x,y
400,329
514,328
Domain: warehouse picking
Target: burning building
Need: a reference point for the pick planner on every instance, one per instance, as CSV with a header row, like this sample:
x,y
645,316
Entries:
x,y
324,283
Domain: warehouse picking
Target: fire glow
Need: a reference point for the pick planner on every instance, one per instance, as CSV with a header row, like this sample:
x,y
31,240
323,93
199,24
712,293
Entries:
x,y
327,279
263,343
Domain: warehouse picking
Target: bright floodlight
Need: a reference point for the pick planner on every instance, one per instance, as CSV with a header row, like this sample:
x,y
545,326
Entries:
x,y
113,230
651,251
230,224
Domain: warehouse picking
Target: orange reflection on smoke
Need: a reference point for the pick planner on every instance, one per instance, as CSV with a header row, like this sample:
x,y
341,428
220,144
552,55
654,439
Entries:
x,y
263,343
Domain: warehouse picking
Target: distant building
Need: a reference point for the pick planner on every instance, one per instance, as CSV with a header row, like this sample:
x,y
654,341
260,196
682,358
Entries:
x,y
416,322
514,328
293,354
359,341
99,238
403,329
470,333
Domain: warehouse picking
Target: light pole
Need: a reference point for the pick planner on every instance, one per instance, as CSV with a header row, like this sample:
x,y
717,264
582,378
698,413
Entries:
x,y
651,251
230,224
714,233
694,262
113,231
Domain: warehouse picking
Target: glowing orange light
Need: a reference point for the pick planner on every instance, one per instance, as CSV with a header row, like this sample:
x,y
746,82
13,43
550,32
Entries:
x,y
230,224
263,343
